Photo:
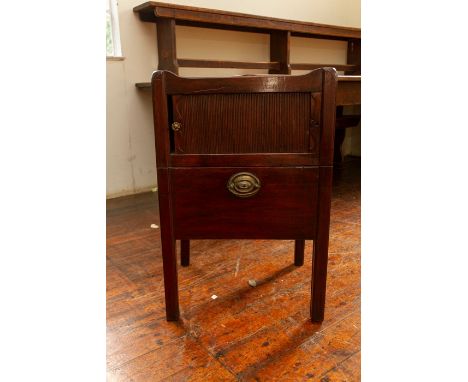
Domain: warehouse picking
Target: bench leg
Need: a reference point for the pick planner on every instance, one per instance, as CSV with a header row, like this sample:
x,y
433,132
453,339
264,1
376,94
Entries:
x,y
299,246
185,253
340,135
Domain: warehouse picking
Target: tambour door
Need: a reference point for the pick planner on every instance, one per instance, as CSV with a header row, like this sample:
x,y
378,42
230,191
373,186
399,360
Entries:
x,y
239,123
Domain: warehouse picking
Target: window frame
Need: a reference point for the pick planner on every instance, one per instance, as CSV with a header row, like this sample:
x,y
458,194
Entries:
x,y
115,31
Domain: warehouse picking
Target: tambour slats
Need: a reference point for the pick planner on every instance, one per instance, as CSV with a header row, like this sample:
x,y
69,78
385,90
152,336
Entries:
x,y
242,123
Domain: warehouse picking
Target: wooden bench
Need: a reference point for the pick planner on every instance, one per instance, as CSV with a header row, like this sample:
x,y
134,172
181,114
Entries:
x,y
167,16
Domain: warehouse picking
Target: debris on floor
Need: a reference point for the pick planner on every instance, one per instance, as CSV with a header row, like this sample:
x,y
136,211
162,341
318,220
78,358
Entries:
x,y
237,267
154,226
154,189
214,297
252,283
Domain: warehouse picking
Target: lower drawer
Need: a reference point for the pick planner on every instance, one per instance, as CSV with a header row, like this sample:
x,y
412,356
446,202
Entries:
x,y
244,203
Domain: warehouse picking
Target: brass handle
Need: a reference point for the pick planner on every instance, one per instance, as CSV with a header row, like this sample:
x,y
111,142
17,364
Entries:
x,y
176,126
243,184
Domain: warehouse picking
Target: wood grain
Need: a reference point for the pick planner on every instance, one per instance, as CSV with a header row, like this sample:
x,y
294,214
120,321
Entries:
x,y
347,93
284,207
280,46
203,17
197,63
235,160
353,56
167,16
167,51
307,66
244,116
242,123
309,82
252,334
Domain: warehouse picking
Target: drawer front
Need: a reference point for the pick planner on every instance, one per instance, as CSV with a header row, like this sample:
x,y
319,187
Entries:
x,y
244,203
245,123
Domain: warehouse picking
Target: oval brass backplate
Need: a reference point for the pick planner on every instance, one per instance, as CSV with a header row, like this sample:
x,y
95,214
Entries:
x,y
243,184
176,126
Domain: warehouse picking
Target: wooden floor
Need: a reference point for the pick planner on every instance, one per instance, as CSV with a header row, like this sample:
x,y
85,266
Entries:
x,y
260,333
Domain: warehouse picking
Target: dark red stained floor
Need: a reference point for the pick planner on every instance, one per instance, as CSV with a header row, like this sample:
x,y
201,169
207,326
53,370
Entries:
x,y
246,334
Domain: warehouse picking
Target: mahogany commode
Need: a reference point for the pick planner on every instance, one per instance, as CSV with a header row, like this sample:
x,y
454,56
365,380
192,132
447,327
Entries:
x,y
247,157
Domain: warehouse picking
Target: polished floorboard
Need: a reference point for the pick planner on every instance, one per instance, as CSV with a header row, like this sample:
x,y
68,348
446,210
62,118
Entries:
x,y
260,333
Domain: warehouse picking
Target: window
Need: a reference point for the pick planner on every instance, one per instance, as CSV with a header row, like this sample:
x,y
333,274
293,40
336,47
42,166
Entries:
x,y
113,48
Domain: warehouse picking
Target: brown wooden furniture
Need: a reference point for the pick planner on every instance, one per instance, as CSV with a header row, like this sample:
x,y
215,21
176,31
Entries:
x,y
246,334
245,157
167,16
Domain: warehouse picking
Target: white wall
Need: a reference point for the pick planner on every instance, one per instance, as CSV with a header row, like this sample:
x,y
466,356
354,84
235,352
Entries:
x,y
131,159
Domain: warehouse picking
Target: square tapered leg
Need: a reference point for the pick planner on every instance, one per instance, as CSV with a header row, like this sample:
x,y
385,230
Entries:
x,y
168,247
319,280
185,253
299,246
320,254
